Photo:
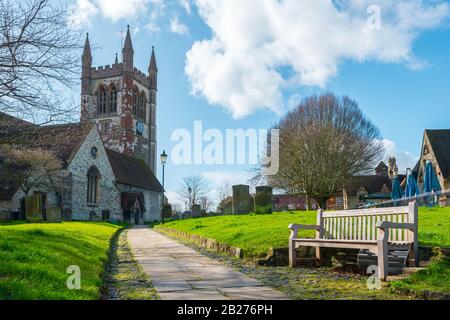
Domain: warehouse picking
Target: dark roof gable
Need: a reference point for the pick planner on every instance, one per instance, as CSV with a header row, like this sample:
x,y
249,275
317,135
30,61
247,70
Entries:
x,y
133,172
440,143
373,184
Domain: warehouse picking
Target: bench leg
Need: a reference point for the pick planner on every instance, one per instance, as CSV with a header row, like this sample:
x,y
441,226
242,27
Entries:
x,y
292,254
319,255
413,258
383,263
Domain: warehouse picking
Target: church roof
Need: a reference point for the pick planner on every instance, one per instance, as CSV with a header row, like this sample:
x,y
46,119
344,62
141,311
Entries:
x,y
10,125
381,166
62,139
373,184
440,143
133,172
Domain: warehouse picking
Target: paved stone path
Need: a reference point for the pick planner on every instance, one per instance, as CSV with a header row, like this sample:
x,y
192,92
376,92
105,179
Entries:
x,y
181,273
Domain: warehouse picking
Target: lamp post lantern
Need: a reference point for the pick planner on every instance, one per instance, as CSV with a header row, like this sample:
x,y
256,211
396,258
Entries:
x,y
164,157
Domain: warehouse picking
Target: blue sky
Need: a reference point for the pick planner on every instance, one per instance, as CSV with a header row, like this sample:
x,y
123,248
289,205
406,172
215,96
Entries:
x,y
232,65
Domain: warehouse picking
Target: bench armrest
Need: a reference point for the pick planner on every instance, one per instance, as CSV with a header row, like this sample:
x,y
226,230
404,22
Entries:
x,y
296,227
385,225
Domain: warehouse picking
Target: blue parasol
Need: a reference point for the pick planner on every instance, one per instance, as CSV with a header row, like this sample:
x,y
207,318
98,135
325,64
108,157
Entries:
x,y
397,192
431,182
411,189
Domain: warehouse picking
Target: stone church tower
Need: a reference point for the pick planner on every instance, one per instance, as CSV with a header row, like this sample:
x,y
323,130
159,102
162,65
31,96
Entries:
x,y
122,101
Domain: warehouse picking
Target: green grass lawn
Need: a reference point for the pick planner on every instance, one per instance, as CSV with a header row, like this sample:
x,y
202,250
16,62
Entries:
x,y
255,234
34,259
435,278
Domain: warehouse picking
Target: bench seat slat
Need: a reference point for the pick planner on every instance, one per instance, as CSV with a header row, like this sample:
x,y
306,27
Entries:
x,y
366,212
348,244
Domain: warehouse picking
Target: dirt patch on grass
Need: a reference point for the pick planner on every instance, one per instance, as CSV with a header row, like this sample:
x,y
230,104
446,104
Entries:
x,y
124,278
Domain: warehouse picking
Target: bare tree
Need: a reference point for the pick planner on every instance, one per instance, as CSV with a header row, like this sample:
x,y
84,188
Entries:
x,y
38,60
30,169
223,204
325,142
224,191
206,204
192,189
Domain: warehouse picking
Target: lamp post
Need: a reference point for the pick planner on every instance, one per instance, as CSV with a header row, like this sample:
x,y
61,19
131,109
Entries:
x,y
164,157
190,198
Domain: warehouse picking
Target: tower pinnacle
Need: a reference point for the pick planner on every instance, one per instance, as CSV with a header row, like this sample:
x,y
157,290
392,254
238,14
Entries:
x,y
128,52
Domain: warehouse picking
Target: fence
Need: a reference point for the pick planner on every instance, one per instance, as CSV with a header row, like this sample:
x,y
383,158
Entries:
x,y
429,199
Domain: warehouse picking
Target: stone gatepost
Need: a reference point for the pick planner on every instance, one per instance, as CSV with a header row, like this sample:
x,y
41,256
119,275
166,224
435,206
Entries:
x,y
241,200
263,200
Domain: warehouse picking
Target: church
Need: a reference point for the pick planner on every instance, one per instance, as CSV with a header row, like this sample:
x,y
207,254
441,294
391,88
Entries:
x,y
108,158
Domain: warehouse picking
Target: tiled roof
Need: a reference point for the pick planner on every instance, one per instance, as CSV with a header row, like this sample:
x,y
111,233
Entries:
x,y
63,140
373,184
133,172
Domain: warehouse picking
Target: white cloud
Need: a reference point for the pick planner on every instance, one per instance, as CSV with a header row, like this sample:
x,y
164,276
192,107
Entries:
x,y
81,14
186,4
120,9
176,26
405,159
240,67
173,197
152,27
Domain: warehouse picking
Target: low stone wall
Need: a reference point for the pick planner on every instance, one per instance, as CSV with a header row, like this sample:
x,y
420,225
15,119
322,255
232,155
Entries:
x,y
203,242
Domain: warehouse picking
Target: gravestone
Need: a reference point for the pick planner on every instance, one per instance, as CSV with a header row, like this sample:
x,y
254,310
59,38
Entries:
x,y
167,211
5,216
54,215
263,200
241,200
196,211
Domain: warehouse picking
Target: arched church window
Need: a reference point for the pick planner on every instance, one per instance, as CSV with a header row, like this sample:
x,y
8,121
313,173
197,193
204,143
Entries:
x,y
112,99
101,101
93,178
141,110
135,101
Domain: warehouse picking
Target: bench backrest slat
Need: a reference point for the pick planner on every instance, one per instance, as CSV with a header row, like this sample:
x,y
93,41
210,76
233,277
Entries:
x,y
361,224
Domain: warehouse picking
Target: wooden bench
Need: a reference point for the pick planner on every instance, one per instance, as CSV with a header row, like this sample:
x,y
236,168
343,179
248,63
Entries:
x,y
377,230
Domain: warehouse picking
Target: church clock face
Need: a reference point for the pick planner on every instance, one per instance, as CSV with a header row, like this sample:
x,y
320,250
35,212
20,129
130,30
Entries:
x,y
140,128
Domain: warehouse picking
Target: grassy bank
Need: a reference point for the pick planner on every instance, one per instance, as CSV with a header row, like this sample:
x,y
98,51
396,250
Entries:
x,y
256,234
436,278
34,259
